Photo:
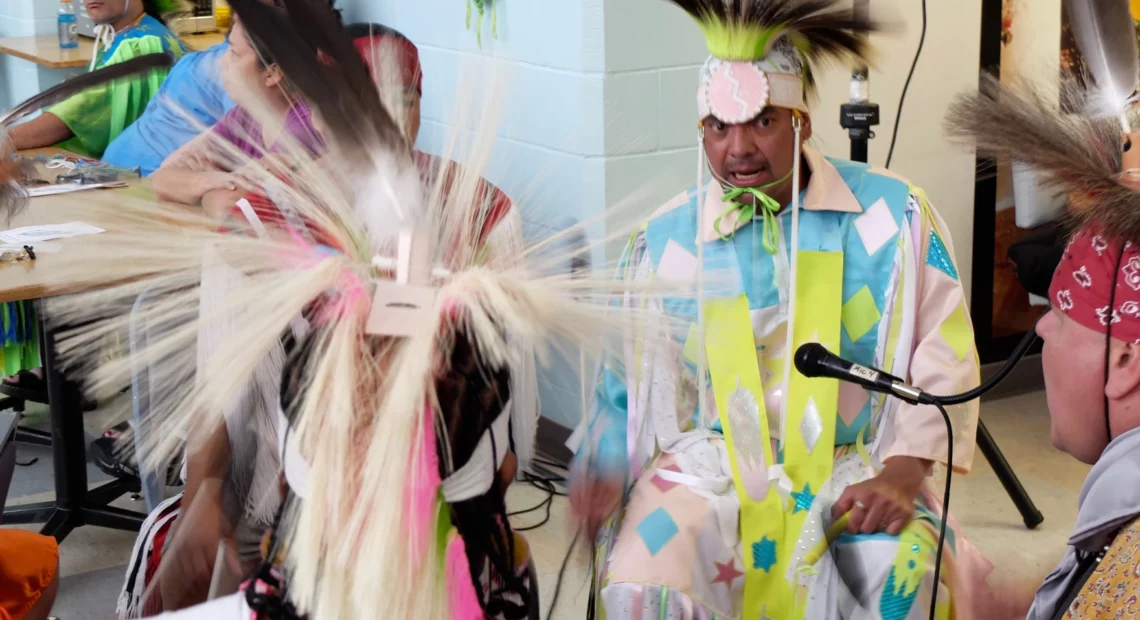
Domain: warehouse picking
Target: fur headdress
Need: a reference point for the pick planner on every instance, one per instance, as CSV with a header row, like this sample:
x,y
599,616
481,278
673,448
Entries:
x,y
765,51
1077,149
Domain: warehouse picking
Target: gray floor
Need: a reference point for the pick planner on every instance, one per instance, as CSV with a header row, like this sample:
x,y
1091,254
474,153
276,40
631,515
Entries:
x,y
93,559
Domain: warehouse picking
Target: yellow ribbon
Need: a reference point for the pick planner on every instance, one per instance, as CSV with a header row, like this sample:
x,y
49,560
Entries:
x,y
768,210
833,533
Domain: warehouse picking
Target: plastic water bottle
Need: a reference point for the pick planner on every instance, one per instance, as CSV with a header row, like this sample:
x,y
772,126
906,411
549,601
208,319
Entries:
x,y
68,28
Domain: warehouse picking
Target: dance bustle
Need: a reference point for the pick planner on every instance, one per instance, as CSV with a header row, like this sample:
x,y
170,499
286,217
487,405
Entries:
x,y
1078,153
351,546
1106,35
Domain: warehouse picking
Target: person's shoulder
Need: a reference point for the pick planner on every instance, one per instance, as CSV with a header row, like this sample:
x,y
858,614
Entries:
x,y
682,199
201,60
854,171
233,121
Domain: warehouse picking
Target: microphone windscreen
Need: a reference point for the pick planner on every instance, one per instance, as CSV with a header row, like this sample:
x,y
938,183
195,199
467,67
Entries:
x,y
808,357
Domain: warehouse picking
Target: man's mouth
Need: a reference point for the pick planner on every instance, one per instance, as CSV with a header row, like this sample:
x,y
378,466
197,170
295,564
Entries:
x,y
94,6
748,177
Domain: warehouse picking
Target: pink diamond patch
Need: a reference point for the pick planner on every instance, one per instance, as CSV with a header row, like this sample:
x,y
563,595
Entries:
x,y
852,398
662,484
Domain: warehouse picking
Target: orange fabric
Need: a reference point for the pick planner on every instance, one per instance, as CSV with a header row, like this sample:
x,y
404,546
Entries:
x,y
28,563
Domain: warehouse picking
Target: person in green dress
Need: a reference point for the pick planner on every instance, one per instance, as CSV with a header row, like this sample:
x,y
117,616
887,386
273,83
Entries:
x,y
85,124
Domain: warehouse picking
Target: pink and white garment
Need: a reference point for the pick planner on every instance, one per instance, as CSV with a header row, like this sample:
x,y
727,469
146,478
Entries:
x,y
675,549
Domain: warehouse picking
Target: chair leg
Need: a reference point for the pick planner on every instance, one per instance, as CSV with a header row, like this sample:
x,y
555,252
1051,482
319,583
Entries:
x,y
33,437
13,403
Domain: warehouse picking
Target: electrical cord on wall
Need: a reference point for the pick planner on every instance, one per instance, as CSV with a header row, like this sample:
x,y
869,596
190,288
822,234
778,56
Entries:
x,y
906,87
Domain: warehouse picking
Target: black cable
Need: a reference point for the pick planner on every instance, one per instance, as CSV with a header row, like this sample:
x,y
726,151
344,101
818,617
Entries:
x,y
562,573
1015,357
945,506
906,86
543,484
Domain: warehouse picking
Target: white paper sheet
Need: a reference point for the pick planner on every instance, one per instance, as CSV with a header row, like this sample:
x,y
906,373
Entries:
x,y
29,235
67,188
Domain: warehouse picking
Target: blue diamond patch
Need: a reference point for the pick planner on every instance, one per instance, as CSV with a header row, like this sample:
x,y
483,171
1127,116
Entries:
x,y
656,530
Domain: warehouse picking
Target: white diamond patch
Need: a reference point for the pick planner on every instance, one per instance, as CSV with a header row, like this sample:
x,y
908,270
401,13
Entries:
x,y
677,263
811,427
876,226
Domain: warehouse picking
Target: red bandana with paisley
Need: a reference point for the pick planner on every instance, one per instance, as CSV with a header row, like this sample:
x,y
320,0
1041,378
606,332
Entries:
x,y
1083,285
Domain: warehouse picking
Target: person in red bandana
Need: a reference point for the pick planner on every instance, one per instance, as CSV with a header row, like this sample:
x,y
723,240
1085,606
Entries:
x,y
1091,355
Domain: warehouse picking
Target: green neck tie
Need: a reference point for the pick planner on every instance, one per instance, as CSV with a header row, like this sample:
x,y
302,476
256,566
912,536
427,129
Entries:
x,y
768,210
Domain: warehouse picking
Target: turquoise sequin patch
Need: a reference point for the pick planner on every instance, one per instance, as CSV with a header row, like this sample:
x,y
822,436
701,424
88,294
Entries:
x,y
938,256
764,554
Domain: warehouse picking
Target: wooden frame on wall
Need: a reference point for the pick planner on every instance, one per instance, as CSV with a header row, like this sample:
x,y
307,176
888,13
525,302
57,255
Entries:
x,y
991,348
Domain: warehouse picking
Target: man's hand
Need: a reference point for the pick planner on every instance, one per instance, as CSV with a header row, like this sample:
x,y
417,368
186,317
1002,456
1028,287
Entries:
x,y
884,503
593,500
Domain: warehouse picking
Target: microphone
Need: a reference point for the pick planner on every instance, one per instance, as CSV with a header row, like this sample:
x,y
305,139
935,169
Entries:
x,y
814,360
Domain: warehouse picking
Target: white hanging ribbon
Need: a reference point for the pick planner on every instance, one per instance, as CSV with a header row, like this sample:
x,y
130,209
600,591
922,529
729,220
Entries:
x,y
475,477
105,38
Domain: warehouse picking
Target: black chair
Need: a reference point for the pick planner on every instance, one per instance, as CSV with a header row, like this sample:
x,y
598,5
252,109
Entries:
x,y
7,456
16,398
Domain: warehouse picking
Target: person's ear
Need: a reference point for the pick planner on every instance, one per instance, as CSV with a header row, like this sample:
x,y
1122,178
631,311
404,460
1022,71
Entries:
x,y
1124,374
273,76
805,127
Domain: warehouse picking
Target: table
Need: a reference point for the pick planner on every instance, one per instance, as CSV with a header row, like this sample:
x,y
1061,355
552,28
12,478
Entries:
x,y
44,50
75,505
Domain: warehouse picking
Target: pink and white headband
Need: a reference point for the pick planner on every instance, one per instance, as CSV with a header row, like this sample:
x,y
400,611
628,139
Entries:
x,y
737,91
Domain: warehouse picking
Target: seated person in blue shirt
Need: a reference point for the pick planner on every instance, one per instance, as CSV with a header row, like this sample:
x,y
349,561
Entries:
x,y
190,100
87,122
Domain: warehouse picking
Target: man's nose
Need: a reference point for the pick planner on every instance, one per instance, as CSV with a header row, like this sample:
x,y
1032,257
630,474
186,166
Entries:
x,y
739,142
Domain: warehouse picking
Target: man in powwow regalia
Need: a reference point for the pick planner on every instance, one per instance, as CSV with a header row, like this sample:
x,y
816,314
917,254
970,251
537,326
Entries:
x,y
714,496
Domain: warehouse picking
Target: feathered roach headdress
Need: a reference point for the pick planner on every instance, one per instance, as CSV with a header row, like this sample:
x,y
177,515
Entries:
x,y
1075,138
386,272
763,52
1079,153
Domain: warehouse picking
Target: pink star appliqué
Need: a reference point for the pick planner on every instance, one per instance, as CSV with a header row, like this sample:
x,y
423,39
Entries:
x,y
726,573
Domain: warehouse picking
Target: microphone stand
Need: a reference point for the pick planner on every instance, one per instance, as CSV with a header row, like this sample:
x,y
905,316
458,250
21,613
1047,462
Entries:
x,y
859,115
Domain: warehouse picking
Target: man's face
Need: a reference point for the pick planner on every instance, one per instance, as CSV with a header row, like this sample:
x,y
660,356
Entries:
x,y
1073,363
755,153
107,11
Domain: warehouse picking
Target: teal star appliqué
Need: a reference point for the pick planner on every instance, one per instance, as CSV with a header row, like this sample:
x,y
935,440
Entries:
x,y
803,499
764,554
